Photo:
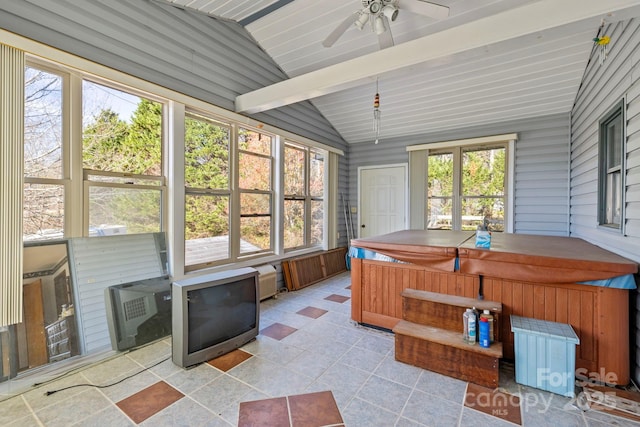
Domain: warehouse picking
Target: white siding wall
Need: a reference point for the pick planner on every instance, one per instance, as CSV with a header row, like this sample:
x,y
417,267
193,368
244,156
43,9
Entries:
x,y
602,87
542,177
541,169
100,262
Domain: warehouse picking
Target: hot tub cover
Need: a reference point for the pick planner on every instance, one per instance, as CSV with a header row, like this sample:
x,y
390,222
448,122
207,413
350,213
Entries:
x,y
543,259
435,249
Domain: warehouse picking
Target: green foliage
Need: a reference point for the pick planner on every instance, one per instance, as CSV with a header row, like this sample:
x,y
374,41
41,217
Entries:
x,y
110,144
483,184
206,155
440,170
206,167
206,216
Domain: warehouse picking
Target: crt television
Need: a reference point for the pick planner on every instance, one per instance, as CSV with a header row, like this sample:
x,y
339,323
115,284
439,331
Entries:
x,y
138,312
213,315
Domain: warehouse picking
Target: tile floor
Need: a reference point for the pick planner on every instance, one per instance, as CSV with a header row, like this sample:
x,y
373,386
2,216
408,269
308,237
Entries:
x,y
308,354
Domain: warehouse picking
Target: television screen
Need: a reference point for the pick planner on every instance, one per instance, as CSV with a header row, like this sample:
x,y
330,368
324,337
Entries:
x,y
219,313
138,312
213,315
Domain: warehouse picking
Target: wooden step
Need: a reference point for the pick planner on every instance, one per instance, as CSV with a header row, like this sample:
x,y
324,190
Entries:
x,y
445,352
444,311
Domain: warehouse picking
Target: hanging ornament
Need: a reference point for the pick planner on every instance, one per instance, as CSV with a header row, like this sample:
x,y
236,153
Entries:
x,y
376,113
602,43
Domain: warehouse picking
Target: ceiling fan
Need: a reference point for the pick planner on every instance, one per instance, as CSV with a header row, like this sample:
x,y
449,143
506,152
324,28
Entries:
x,y
380,13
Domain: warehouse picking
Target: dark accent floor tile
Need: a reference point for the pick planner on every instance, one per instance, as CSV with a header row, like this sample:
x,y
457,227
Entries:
x,y
229,360
149,401
314,409
337,298
266,412
278,331
312,312
493,402
612,393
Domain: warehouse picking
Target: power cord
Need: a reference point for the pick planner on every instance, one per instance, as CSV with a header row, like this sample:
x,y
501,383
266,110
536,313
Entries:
x,y
49,393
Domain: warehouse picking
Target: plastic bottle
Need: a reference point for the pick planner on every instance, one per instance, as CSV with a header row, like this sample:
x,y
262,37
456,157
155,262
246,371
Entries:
x,y
471,326
484,332
489,316
477,319
465,322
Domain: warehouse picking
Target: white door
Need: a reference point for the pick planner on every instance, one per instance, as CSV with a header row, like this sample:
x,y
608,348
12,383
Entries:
x,y
383,199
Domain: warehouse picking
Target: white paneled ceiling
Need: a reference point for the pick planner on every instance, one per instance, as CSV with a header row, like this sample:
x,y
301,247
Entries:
x,y
533,74
235,10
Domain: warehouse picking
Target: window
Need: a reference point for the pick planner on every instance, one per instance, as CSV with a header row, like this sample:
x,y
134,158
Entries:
x,y
122,161
111,176
611,168
303,196
466,187
255,171
207,191
44,165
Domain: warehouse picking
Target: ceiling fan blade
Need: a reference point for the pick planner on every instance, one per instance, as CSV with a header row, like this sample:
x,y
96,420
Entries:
x,y
340,29
385,39
429,9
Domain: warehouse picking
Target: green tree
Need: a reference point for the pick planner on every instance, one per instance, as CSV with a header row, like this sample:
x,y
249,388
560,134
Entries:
x,y
112,144
206,167
102,142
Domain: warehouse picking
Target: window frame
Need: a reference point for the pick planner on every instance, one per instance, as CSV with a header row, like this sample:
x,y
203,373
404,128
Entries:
x,y
89,183
63,181
418,158
615,114
211,192
77,69
240,191
458,192
306,197
160,179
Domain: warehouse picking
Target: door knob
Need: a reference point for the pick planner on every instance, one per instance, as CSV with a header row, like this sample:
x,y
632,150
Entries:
x,y
362,226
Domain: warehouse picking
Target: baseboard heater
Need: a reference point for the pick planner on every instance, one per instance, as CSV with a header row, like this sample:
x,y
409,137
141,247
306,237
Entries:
x,y
267,281
306,270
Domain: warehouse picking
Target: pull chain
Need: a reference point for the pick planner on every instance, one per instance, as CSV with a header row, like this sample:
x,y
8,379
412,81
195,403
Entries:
x,y
376,113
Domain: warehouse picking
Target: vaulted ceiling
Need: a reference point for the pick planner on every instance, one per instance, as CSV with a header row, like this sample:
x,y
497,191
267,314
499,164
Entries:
x,y
488,61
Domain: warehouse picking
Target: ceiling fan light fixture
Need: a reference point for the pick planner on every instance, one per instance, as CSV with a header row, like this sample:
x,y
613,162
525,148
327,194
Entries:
x,y
375,7
390,11
363,18
378,25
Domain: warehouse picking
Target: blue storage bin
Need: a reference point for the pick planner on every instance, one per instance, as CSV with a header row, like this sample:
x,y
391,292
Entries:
x,y
545,354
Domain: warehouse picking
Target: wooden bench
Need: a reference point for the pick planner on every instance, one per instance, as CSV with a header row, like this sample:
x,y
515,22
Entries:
x,y
430,337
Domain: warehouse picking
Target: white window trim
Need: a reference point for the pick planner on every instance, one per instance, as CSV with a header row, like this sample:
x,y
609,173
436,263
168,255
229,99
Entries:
x,y
307,198
418,182
175,105
507,137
